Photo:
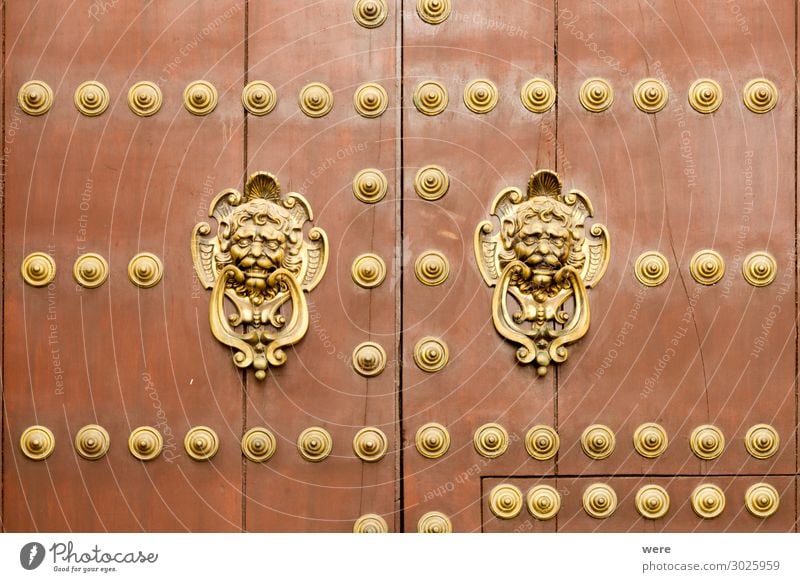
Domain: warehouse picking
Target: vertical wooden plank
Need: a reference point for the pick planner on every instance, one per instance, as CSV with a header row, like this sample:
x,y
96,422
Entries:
x,y
2,255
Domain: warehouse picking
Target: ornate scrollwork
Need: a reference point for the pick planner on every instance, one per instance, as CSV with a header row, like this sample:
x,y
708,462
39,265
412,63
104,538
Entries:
x,y
260,261
539,259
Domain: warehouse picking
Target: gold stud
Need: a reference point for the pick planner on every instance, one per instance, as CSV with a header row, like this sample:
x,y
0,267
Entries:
x,y
370,523
37,442
201,443
544,502
762,500
259,98
430,98
762,441
200,97
316,100
759,269
144,98
651,269
431,268
705,96
598,441
650,440
145,270
145,443
35,97
431,354
490,440
505,501
90,270
370,13
596,95
370,186
538,95
370,100
315,444
38,269
432,440
431,183
433,11
708,501
707,267
760,95
652,502
259,444
542,442
707,442
599,501
480,96
92,442
368,271
91,98
650,95
370,444
434,522
369,359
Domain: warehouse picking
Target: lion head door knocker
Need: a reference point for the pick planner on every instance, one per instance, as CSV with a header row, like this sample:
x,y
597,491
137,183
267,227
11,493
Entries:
x,y
538,260
260,263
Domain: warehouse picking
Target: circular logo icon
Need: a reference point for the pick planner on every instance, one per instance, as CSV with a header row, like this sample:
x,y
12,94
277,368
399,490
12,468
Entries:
x,y
31,555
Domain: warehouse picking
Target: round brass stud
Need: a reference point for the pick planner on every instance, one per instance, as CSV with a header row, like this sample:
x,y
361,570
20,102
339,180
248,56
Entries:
x,y
369,359
35,97
707,267
316,100
542,442
92,442
370,186
370,13
145,443
431,354
370,444
596,95
434,522
650,95
315,444
538,95
368,271
432,440
38,269
652,502
762,441
431,268
705,95
707,442
91,98
708,501
370,100
760,95
480,96
433,11
370,523
759,269
431,183
505,501
201,443
90,270
259,444
762,499
651,269
650,440
430,98
200,98
259,98
144,98
145,270
598,441
543,502
37,442
599,501
490,440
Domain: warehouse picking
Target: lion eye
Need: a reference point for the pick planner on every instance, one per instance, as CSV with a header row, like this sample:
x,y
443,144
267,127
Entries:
x,y
273,245
244,243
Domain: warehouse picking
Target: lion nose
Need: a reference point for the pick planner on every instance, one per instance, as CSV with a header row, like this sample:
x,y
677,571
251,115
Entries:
x,y
257,249
543,247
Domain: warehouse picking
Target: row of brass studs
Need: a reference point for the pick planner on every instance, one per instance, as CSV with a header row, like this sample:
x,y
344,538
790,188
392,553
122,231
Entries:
x,y
314,444
707,267
373,13
597,441
651,501
431,268
430,183
90,270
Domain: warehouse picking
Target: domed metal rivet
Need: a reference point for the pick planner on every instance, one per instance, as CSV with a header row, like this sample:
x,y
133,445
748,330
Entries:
x,y
316,100
705,95
542,442
144,98
201,443
92,442
35,97
431,354
707,267
368,271
650,95
598,441
432,440
38,269
145,443
652,502
431,183
762,500
433,11
370,100
480,96
599,500
490,440
315,444
37,442
370,444
759,269
200,97
762,441
538,95
707,442
370,523
760,95
430,98
91,98
145,270
370,186
596,95
505,501
90,270
543,502
369,359
431,268
259,444
651,269
650,440
434,522
708,501
259,98
370,13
